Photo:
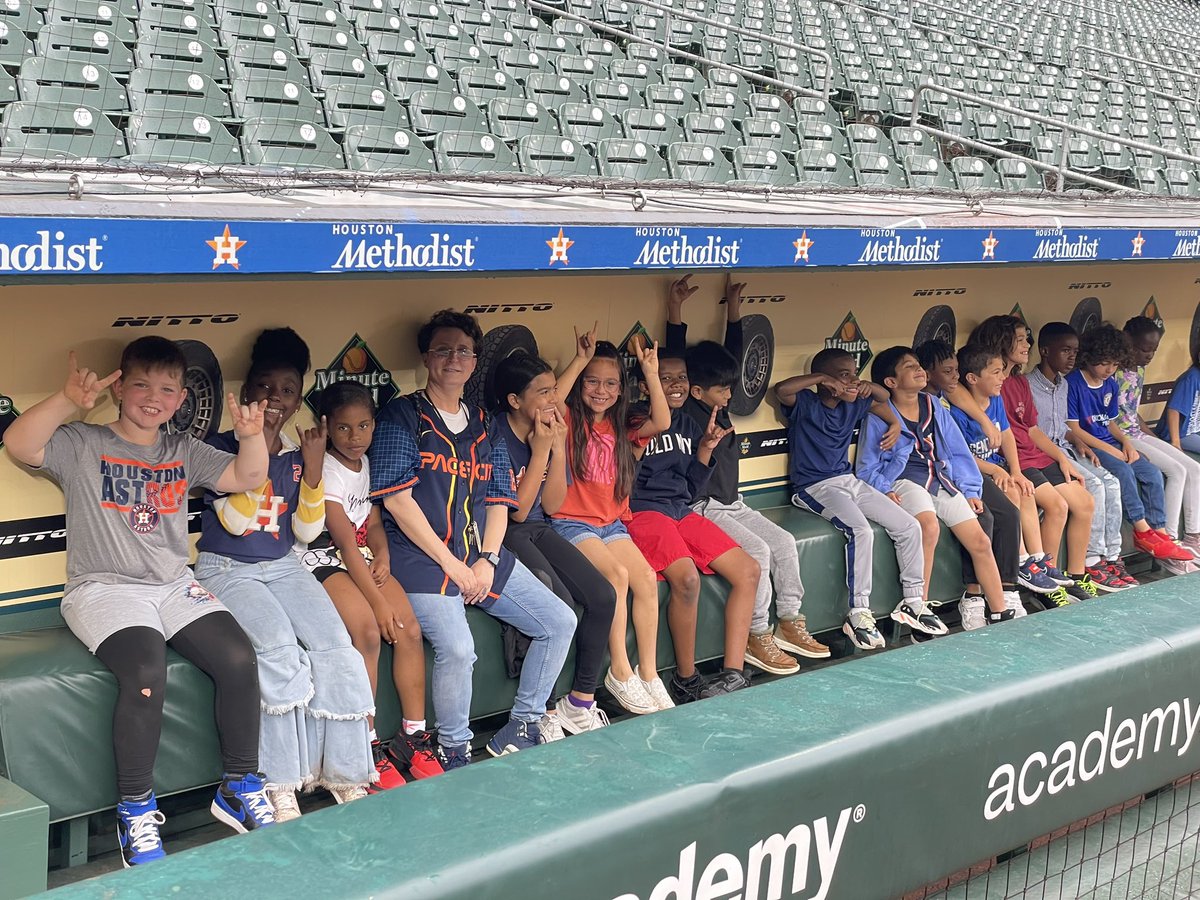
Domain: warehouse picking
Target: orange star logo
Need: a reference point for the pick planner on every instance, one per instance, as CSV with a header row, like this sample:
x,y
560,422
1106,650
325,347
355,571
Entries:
x,y
989,246
226,246
1138,242
802,244
559,247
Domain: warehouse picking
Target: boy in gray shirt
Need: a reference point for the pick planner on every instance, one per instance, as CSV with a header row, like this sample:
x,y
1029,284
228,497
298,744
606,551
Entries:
x,y
129,591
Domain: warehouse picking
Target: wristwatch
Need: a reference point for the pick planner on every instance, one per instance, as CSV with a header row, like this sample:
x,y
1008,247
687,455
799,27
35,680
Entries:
x,y
493,558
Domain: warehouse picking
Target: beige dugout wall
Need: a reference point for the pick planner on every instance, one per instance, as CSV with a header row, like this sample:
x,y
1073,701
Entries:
x,y
804,309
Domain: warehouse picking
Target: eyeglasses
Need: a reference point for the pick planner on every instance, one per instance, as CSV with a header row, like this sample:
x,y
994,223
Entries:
x,y
593,383
454,352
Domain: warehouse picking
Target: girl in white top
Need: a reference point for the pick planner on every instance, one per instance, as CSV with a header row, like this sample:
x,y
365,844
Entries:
x,y
351,562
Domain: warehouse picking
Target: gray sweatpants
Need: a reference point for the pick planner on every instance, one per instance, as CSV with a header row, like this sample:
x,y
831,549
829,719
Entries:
x,y
773,548
851,505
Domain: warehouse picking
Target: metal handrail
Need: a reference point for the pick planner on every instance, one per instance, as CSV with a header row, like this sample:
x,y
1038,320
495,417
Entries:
x,y
1062,167
961,12
666,47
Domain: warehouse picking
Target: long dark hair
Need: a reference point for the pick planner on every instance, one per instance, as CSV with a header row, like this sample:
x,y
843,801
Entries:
x,y
583,429
513,375
997,334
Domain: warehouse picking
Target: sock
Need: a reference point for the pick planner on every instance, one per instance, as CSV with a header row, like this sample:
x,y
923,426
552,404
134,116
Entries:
x,y
140,798
1076,577
1092,561
581,704
412,726
373,736
1026,558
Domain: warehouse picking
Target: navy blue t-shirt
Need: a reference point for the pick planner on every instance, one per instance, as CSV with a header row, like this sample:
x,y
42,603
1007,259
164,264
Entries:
x,y
669,476
519,455
820,435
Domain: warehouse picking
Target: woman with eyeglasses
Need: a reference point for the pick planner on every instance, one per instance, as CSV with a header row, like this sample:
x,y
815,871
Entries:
x,y
446,485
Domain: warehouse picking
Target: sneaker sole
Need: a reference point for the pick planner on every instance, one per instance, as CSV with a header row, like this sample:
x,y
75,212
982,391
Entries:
x,y
912,622
773,669
800,651
636,710
221,815
849,632
1033,588
1108,588
508,750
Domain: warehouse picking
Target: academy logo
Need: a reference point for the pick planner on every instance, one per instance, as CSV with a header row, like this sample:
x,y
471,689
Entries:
x,y
849,337
8,415
559,247
52,254
990,243
225,249
803,244
354,362
1062,247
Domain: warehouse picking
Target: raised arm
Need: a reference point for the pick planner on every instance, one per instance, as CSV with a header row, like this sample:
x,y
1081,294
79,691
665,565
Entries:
x,y
787,389
660,414
585,349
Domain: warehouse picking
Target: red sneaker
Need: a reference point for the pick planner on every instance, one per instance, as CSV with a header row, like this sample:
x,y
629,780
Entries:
x,y
1178,552
388,776
1118,568
414,754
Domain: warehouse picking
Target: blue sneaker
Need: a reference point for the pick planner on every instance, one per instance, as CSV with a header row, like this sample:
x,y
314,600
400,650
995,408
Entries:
x,y
1055,574
137,832
454,757
243,805
1033,578
514,736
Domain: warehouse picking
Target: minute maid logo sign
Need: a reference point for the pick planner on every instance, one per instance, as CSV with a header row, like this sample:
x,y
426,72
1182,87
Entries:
x,y
1150,311
354,362
8,415
849,337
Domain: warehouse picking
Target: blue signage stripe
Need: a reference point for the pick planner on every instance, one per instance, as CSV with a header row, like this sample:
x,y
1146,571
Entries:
x,y
80,246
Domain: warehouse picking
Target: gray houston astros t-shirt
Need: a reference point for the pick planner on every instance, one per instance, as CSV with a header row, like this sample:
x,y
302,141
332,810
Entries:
x,y
127,503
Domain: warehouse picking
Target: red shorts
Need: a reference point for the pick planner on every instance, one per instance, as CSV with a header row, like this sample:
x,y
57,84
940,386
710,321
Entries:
x,y
663,540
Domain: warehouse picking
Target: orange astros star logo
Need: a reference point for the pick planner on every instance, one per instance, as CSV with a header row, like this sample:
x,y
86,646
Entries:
x,y
559,247
802,244
1138,242
989,246
226,246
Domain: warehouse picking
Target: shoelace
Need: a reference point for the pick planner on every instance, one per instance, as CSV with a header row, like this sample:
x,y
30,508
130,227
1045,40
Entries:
x,y
1060,597
285,800
422,744
864,620
597,715
143,831
260,806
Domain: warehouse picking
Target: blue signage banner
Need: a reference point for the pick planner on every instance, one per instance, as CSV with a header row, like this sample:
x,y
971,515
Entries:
x,y
81,246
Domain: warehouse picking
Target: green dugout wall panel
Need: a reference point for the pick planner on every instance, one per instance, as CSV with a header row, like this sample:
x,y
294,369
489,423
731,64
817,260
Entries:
x,y
815,786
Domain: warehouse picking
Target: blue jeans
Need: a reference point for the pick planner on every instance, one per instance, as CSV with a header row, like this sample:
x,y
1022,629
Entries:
x,y
526,604
1141,489
315,692
1190,442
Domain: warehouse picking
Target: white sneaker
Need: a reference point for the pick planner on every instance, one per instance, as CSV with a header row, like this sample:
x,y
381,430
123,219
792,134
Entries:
x,y
860,628
578,719
550,729
971,611
347,794
1012,600
286,805
630,694
657,691
916,614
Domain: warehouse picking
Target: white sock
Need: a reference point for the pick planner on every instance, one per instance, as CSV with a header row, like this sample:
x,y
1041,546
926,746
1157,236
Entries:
x,y
372,736
1092,561
412,726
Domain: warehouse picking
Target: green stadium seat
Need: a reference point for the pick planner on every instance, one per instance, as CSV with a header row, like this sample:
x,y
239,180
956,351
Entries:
x,y
57,81
752,55
298,14
580,68
104,17
21,15
520,64
553,90
481,84
762,166
473,153
770,133
864,138
616,12
512,118
675,101
374,148
550,45
415,11
613,96
75,42
376,21
820,135
577,30
698,163
602,50
434,112
651,126
877,170
716,47
46,131
360,104
909,140
1150,180
644,53
157,90
551,156
974,173
235,27
274,99
177,54
173,137
713,129
925,172
523,25
823,167
453,57
729,81
251,60
258,8
8,88
630,160
329,67
648,28
407,76
770,106
163,19
289,144
721,102
588,124
311,39
491,39
633,72
687,77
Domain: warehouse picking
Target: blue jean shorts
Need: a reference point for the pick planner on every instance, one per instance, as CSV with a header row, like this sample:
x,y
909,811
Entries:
x,y
574,531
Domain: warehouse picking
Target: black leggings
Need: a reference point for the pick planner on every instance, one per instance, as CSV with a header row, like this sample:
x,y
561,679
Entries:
x,y
1001,521
568,573
217,646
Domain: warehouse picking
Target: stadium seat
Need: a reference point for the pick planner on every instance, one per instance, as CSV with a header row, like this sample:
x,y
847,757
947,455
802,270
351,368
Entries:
x,y
173,53
235,27
587,124
698,163
823,167
877,170
375,148
770,106
974,173
272,99
1181,179
1150,180
102,17
473,153
481,84
818,135
863,138
313,38
381,21
715,130
552,156
22,16
512,118
553,90
407,76
633,72
520,64
652,126
926,172
73,42
631,160
722,102
760,166
174,137
165,20
384,46
252,61
771,133
57,81
46,131
282,143
455,56
360,104
909,141
436,112
613,96
685,76
329,67
580,68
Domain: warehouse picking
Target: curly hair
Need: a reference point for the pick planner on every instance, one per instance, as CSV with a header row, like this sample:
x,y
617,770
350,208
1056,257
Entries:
x,y
1103,344
997,334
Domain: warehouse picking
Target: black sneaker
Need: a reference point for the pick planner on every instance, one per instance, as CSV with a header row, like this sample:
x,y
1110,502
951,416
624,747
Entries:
x,y
994,618
686,690
727,682
414,755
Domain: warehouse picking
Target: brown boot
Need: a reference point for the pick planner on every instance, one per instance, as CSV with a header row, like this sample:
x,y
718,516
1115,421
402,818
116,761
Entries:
x,y
792,635
763,653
